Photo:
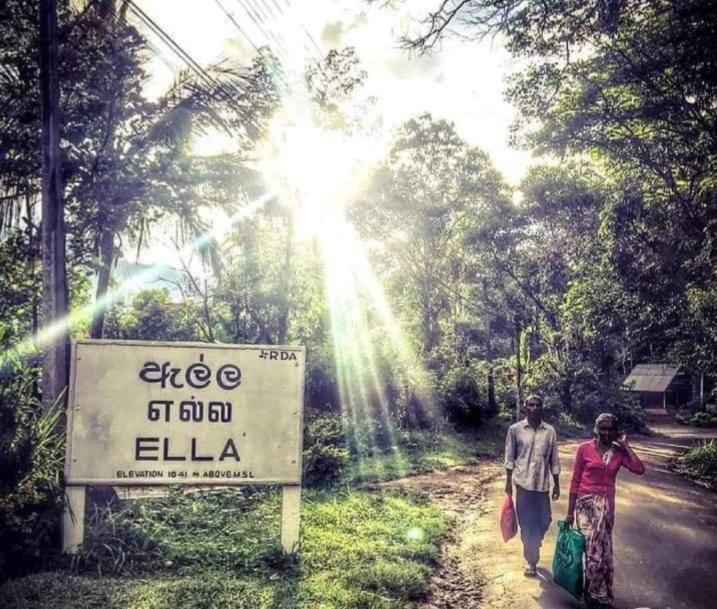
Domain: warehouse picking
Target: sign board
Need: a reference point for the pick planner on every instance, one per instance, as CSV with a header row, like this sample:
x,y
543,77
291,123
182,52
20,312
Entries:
x,y
184,413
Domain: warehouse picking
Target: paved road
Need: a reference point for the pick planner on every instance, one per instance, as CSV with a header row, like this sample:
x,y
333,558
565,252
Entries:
x,y
665,533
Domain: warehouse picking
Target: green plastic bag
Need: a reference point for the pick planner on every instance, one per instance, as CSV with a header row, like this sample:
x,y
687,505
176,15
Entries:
x,y
568,559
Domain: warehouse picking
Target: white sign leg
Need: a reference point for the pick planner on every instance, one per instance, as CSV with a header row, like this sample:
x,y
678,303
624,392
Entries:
x,y
290,508
73,519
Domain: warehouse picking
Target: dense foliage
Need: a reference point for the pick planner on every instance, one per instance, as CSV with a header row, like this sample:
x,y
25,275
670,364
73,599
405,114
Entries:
x,y
700,463
31,463
632,87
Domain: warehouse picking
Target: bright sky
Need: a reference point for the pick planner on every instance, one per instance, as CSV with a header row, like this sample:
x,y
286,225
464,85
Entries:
x,y
462,82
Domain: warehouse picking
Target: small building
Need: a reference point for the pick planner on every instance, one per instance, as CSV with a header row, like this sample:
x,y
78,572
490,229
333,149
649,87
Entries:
x,y
660,385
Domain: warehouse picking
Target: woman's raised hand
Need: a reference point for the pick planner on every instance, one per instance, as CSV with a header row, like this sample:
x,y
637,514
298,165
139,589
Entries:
x,y
622,441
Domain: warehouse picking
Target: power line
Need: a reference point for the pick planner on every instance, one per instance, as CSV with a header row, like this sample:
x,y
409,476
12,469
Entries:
x,y
236,24
279,12
174,46
122,21
301,23
268,19
249,11
242,31
274,13
229,90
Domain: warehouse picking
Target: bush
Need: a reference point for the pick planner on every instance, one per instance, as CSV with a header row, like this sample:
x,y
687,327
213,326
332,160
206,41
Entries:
x,y
321,386
580,393
462,401
701,462
152,316
31,459
626,407
325,454
699,419
324,465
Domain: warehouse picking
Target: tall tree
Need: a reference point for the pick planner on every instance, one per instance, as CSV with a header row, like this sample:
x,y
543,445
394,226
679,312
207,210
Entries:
x,y
432,190
125,158
134,160
634,86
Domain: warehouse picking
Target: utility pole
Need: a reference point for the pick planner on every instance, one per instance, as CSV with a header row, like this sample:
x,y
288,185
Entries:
x,y
54,275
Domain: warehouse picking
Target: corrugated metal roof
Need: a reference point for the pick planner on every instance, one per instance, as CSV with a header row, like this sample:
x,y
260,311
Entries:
x,y
650,377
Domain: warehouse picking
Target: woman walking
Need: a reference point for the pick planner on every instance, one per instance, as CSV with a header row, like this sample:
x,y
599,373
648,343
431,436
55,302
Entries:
x,y
591,505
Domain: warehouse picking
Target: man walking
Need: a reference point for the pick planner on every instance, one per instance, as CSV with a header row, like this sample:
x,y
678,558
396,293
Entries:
x,y
531,455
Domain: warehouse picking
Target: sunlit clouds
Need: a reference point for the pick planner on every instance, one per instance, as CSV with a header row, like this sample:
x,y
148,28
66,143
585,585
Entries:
x,y
463,83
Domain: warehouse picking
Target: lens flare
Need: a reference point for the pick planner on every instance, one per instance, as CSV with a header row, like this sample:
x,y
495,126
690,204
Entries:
x,y
315,172
49,334
416,535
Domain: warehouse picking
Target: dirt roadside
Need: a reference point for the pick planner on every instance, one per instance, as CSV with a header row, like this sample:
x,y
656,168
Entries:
x,y
461,494
477,569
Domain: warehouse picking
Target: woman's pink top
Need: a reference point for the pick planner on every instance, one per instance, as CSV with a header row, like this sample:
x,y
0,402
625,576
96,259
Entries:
x,y
592,477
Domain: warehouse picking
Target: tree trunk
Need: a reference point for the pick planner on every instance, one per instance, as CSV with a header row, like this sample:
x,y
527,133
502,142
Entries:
x,y
32,261
286,284
55,371
107,256
567,394
492,406
518,371
487,328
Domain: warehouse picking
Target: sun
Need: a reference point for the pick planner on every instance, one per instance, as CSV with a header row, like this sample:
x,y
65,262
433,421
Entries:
x,y
314,171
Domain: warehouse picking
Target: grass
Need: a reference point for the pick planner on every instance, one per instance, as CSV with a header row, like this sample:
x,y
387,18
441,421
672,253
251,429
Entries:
x,y
423,452
219,550
360,549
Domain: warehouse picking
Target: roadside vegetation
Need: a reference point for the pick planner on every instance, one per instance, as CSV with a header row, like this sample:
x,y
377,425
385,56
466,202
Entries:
x,y
697,419
700,463
361,546
220,550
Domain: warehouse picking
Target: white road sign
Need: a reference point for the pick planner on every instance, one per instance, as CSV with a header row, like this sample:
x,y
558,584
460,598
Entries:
x,y
184,413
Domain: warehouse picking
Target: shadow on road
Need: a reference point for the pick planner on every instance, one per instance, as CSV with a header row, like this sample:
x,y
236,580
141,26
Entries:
x,y
665,539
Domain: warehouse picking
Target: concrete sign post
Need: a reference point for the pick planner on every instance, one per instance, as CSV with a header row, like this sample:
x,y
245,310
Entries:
x,y
150,413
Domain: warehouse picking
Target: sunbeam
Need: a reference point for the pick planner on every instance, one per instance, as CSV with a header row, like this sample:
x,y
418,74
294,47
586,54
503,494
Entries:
x,y
354,295
317,172
48,334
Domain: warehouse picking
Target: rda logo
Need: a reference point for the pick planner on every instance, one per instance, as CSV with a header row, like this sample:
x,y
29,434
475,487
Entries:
x,y
282,356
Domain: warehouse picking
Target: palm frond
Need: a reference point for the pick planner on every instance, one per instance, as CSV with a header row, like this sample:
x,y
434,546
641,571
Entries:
x,y
225,97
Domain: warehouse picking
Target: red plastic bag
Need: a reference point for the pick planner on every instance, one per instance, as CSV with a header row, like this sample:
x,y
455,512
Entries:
x,y
508,519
